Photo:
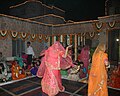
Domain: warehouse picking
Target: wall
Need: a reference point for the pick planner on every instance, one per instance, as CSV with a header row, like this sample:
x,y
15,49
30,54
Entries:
x,y
6,47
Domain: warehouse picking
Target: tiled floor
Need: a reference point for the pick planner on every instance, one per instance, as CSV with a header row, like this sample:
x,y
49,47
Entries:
x,y
32,87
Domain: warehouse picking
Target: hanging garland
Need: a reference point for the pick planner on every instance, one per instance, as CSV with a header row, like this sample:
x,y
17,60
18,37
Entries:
x,y
24,35
82,38
83,34
14,34
98,25
79,39
71,38
40,37
92,34
64,38
3,34
59,38
33,37
111,24
46,37
68,39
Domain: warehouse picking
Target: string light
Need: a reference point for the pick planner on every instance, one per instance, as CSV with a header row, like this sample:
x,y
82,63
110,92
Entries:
x,y
37,17
117,39
50,7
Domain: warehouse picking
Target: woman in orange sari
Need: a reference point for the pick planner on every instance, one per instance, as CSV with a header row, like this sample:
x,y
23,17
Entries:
x,y
97,84
55,58
17,72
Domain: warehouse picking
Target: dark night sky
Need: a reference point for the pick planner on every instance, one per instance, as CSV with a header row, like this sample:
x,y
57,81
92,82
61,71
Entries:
x,y
76,10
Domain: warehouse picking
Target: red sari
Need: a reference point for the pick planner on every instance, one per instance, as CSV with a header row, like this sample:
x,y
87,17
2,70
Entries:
x,y
84,57
50,67
115,78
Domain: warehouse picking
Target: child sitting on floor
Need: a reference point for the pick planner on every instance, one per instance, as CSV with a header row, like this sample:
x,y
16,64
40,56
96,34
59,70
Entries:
x,y
82,71
34,68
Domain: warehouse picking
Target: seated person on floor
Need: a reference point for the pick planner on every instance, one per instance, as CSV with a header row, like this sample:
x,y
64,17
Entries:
x,y
5,75
19,61
73,73
82,71
114,80
34,68
17,71
24,57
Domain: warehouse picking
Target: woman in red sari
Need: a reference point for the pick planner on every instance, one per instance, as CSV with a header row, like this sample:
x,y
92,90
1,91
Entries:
x,y
97,84
55,58
115,78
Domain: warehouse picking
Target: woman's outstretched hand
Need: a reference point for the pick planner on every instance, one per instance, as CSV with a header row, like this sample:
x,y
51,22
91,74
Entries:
x,y
66,52
69,46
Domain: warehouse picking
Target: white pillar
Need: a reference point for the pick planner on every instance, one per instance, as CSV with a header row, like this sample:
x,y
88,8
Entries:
x,y
75,47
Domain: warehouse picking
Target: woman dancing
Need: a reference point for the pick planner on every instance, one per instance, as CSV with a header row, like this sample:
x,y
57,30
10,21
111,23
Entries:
x,y
97,84
56,58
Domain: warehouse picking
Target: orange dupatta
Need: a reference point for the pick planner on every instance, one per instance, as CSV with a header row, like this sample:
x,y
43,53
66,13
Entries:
x,y
97,85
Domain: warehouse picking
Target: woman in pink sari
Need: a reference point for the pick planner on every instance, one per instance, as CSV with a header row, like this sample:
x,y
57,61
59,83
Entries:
x,y
84,57
55,58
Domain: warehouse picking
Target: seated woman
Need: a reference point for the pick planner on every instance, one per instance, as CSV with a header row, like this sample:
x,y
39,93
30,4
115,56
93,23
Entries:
x,y
115,78
24,59
34,68
5,75
17,71
82,71
73,73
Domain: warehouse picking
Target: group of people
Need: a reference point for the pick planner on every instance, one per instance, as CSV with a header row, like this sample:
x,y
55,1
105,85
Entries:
x,y
56,57
19,67
114,78
5,73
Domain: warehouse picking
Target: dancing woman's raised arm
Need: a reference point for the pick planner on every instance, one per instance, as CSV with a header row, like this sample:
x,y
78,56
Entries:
x,y
66,51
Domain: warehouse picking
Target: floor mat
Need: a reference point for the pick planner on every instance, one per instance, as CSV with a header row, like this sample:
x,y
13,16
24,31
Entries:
x,y
32,87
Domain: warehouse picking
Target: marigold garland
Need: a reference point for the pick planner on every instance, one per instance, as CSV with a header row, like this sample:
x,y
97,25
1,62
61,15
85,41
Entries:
x,y
33,37
98,25
40,37
111,24
3,34
92,34
68,39
46,37
14,34
24,36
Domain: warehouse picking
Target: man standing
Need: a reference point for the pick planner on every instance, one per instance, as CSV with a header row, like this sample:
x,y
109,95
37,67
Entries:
x,y
30,54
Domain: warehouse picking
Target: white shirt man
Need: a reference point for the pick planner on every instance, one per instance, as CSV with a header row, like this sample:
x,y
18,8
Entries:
x,y
30,51
30,54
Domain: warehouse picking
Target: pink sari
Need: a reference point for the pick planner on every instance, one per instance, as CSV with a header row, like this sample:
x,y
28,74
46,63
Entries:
x,y
84,57
50,67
